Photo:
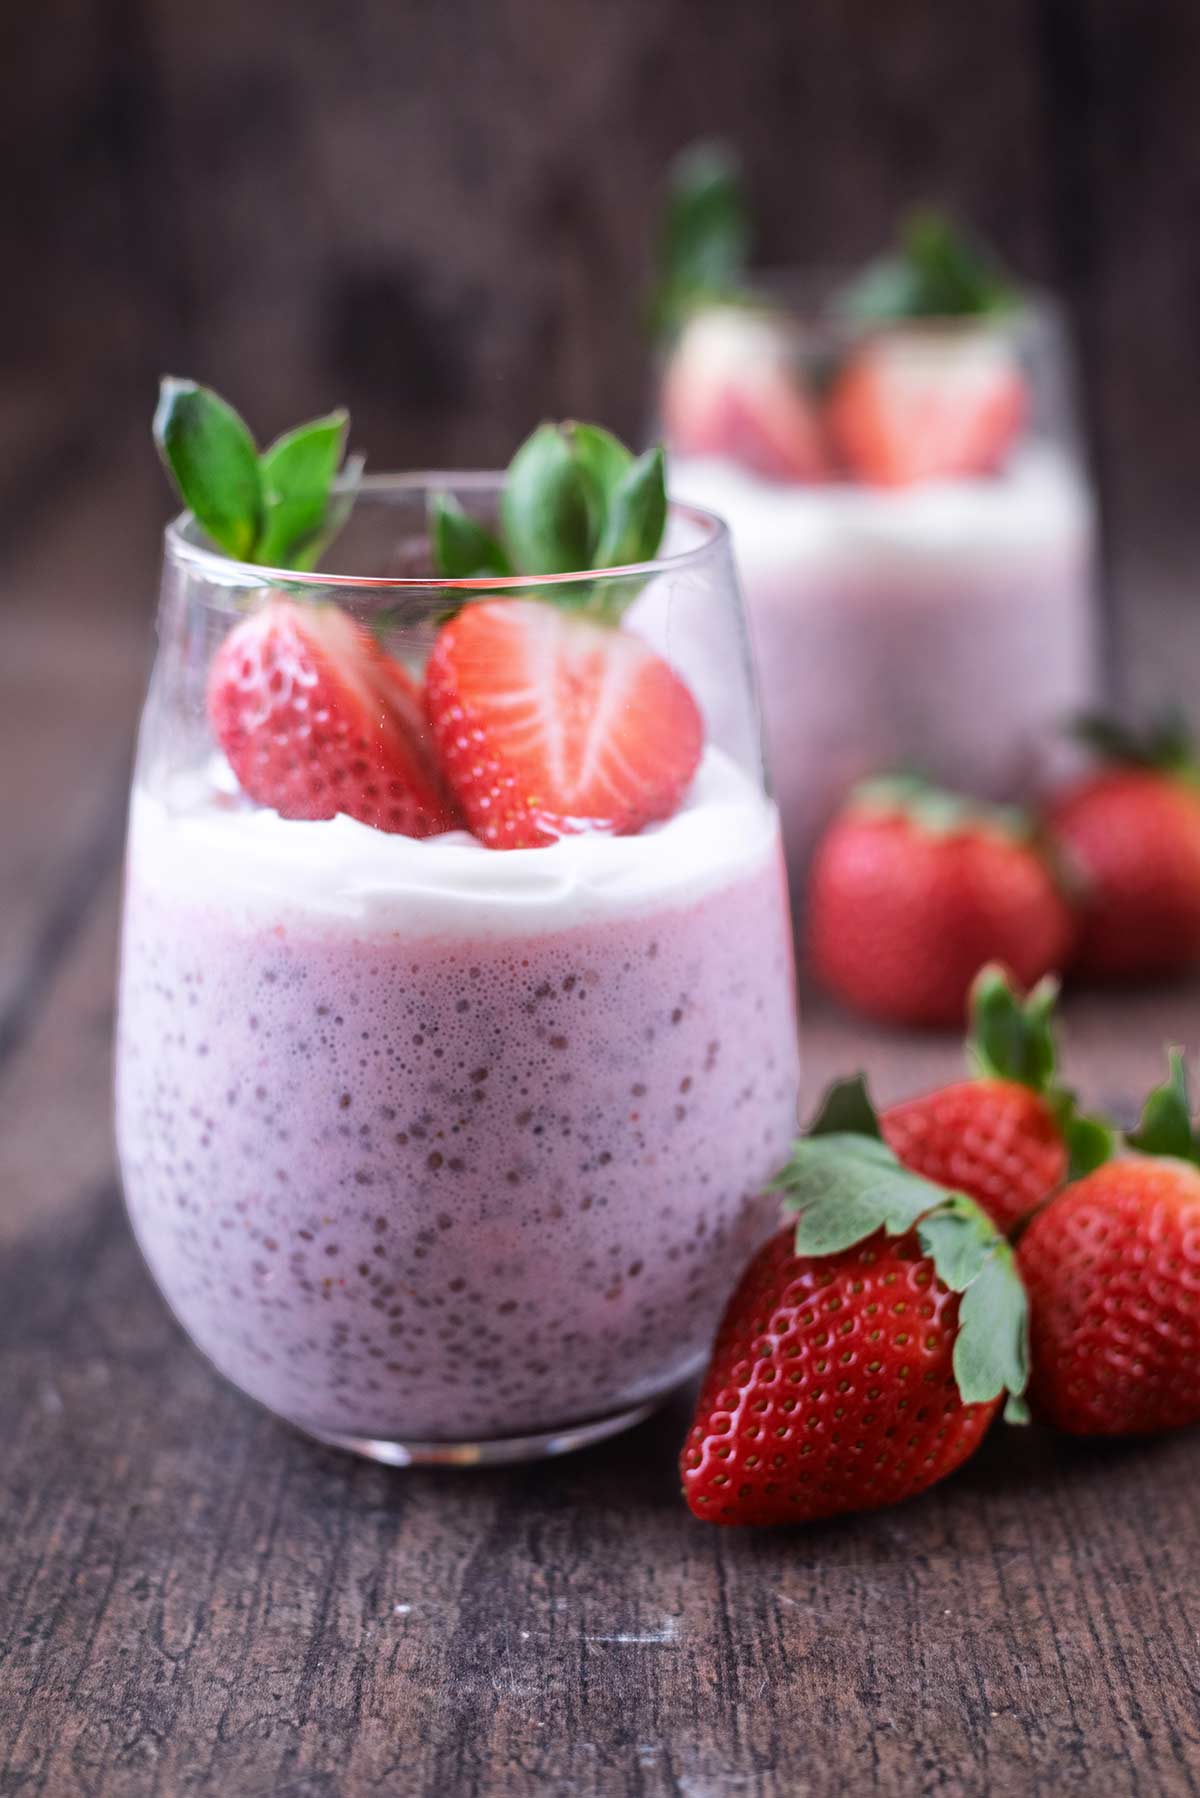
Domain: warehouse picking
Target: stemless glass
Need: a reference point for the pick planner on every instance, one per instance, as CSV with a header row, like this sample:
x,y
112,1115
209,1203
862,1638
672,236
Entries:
x,y
948,625
446,1153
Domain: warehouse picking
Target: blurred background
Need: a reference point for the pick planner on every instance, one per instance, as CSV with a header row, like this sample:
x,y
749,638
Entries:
x,y
444,215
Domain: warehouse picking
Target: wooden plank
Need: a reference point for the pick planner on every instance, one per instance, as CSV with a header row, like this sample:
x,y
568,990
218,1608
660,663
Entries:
x,y
194,1597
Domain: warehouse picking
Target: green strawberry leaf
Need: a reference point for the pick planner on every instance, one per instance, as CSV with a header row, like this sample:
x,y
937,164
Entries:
x,y
991,1350
845,1187
705,235
636,513
1166,1122
958,1237
846,1184
939,812
1091,1141
1165,744
210,455
1011,1038
297,474
547,506
847,1108
462,548
937,271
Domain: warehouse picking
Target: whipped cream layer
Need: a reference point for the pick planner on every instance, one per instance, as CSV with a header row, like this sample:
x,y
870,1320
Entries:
x,y
1038,507
198,845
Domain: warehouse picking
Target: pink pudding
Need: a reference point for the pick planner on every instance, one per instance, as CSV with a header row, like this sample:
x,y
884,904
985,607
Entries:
x,y
429,1143
944,623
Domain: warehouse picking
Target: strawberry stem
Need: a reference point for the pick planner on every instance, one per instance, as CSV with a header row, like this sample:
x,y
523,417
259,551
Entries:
x,y
1012,1038
1166,1122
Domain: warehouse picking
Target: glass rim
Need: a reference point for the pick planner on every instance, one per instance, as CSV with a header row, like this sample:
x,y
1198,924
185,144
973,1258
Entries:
x,y
228,570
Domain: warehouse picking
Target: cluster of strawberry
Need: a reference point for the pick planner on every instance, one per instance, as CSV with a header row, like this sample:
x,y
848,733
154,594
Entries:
x,y
905,405
530,723
983,1239
912,889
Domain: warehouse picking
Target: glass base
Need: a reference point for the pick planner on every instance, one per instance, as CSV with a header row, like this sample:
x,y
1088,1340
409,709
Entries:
x,y
495,1452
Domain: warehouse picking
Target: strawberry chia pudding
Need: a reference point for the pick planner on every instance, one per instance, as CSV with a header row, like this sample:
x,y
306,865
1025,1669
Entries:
x,y
436,1147
896,459
947,627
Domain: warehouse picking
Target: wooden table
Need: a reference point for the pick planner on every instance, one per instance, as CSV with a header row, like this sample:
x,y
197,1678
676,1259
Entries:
x,y
195,1599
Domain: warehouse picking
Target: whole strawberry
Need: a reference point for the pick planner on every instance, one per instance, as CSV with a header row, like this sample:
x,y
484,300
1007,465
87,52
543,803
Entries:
x,y
912,890
1129,835
866,1350
1111,1270
1010,1135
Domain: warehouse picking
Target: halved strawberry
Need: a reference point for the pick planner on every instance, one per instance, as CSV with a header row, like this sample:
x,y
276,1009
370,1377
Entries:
x,y
731,390
917,405
315,719
548,724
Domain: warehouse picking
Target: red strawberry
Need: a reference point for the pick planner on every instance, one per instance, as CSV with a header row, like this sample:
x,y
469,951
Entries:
x,y
1130,837
549,724
920,404
912,890
315,719
1008,1136
1111,1267
731,390
848,1372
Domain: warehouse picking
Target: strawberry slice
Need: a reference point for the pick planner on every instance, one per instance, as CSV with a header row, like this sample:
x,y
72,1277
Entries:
x,y
732,390
549,725
315,719
915,406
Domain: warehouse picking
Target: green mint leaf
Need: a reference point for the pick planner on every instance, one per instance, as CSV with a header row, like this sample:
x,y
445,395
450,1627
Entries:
x,y
636,514
991,1350
462,548
211,457
308,552
705,234
547,507
937,272
1011,1038
847,1109
296,475
1166,1123
846,1187
605,461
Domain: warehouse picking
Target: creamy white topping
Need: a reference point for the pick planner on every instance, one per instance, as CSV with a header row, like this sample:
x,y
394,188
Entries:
x,y
1038,506
199,846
